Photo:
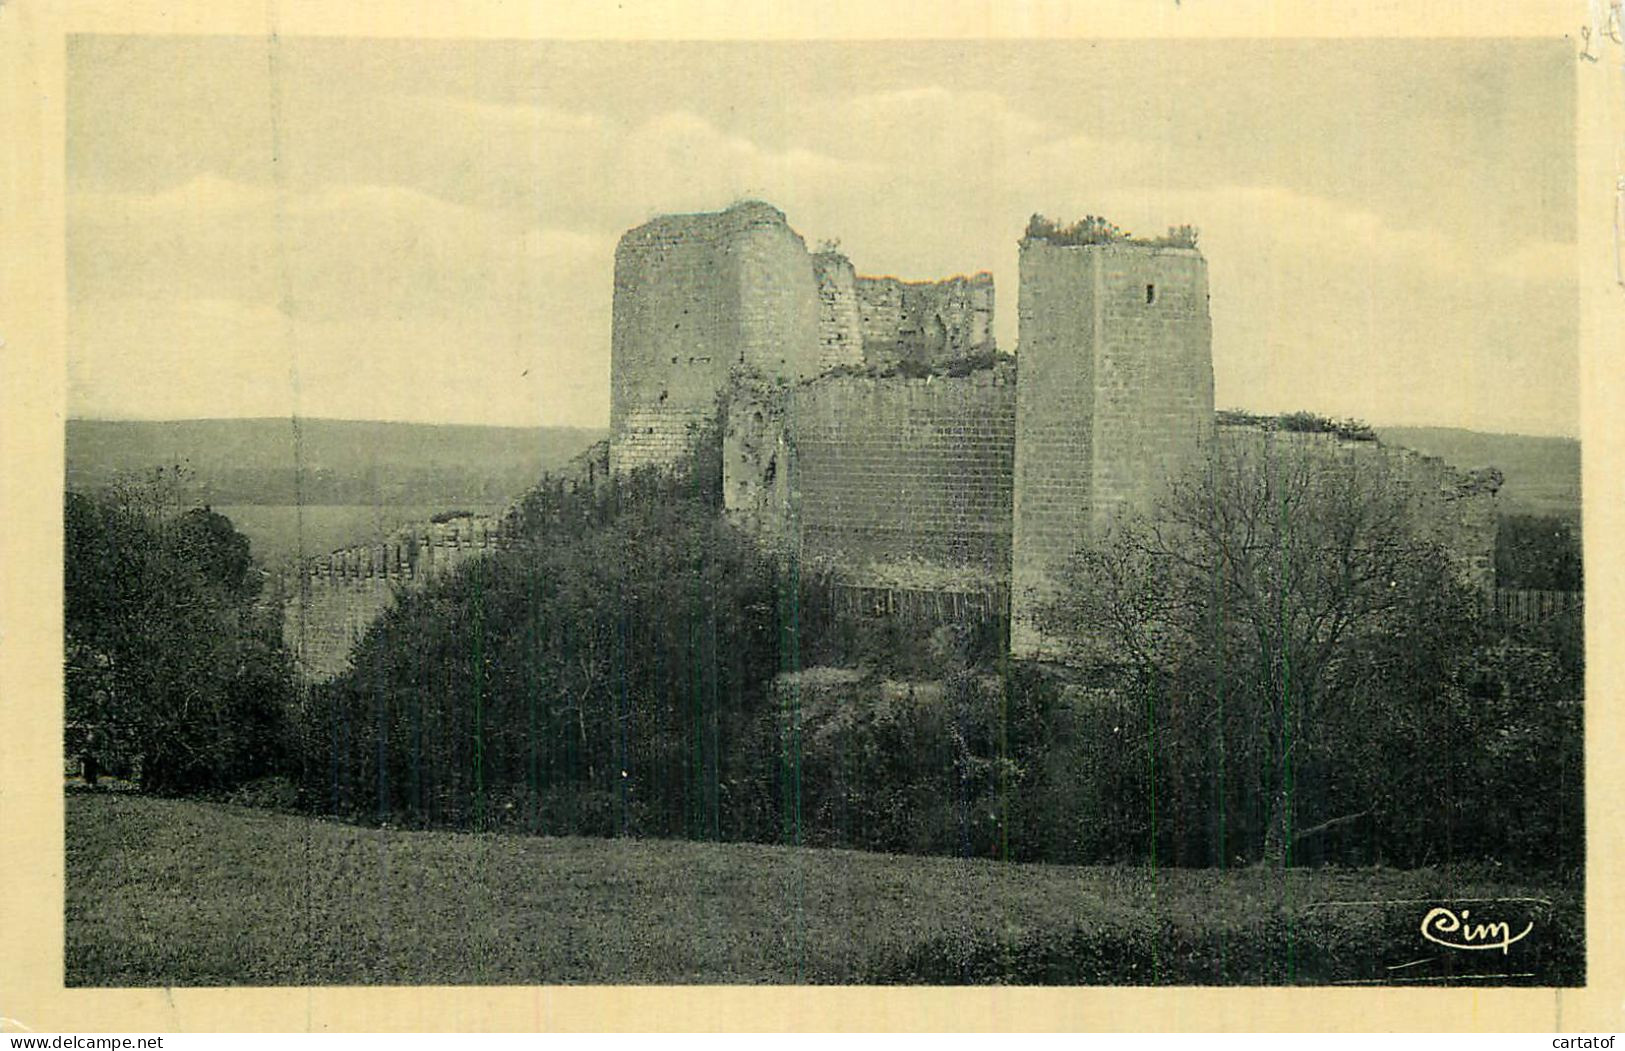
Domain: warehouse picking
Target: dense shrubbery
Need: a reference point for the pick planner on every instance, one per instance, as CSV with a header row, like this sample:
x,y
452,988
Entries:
x,y
902,644
174,676
1304,679
593,679
1481,760
1286,673
1539,552
639,666
1095,230
1300,422
905,767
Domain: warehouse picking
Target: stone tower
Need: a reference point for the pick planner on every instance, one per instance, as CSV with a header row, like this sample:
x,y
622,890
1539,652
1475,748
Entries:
x,y
840,323
1115,393
697,296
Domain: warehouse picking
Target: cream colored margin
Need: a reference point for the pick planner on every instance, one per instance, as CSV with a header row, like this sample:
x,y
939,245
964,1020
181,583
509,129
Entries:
x,y
31,411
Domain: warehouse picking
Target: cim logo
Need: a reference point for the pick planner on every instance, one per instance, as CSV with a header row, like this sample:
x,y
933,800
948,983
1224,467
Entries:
x,y
1453,930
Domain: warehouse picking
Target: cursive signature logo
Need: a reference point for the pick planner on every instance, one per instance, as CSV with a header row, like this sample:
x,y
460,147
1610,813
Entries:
x,y
1458,933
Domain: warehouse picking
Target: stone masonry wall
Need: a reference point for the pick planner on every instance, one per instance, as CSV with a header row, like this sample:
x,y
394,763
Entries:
x,y
1054,476
1153,374
779,302
840,318
331,600
906,483
757,459
1454,508
674,334
696,296
925,322
971,486
1116,393
656,436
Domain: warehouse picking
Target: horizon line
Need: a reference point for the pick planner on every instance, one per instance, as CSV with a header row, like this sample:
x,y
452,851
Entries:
x,y
605,425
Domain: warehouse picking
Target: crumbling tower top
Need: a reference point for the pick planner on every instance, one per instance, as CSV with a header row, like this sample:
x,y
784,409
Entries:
x,y
697,296
1115,391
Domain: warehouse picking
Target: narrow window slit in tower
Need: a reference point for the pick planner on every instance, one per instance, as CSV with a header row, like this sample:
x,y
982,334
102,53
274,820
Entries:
x,y
1150,293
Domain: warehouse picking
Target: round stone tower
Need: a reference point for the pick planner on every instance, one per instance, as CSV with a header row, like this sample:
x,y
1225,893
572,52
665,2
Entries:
x,y
695,297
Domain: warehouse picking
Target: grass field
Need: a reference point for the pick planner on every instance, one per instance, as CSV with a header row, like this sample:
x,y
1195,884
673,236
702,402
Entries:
x,y
182,893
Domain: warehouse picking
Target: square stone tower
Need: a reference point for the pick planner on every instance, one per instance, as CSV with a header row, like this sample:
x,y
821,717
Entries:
x,y
1114,393
695,297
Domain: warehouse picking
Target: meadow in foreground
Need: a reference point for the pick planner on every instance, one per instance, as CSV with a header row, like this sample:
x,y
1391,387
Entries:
x,y
166,892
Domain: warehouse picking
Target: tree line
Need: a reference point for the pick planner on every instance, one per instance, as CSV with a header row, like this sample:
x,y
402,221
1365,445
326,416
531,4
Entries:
x,y
175,672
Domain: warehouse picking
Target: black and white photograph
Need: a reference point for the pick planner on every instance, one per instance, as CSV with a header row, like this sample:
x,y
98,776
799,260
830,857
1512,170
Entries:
x,y
907,512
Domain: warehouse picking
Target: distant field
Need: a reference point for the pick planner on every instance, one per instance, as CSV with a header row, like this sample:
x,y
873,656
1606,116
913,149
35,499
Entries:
x,y
182,893
328,462
352,462
1541,475
279,533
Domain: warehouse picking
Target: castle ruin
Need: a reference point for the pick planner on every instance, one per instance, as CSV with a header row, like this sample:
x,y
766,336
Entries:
x,y
851,435
870,427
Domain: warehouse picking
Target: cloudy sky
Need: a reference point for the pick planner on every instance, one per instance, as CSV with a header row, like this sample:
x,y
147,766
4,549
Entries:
x,y
425,230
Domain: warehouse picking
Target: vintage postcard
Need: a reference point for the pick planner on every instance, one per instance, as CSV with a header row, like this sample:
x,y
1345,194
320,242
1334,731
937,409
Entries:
x,y
1035,515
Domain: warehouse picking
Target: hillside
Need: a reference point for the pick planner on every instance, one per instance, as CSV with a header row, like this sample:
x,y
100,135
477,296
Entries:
x,y
1542,474
273,462
163,892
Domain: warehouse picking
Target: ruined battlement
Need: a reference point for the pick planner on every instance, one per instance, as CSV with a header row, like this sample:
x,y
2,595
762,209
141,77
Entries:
x,y
717,227
1455,508
925,322
866,432
413,552
330,600
840,314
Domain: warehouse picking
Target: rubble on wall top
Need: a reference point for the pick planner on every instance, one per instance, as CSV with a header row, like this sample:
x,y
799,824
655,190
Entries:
x,y
830,251
1307,425
737,216
981,277
989,368
828,257
1480,480
1298,423
754,209
1094,230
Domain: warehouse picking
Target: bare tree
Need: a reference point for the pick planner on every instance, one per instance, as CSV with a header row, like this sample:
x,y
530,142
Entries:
x,y
1256,584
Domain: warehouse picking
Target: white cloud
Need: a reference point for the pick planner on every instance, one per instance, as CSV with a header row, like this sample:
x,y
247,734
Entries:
x,y
1319,305
206,193
178,358
898,123
679,161
515,117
